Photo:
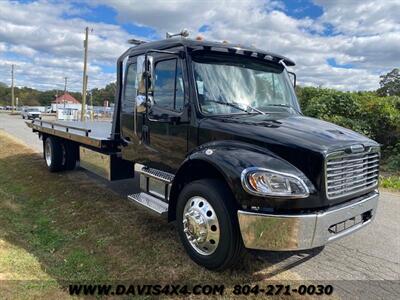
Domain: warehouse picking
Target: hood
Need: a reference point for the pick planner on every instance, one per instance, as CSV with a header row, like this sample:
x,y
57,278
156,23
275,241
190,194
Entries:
x,y
288,131
301,141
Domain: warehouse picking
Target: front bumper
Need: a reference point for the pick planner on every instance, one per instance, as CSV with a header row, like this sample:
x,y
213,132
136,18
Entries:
x,y
306,231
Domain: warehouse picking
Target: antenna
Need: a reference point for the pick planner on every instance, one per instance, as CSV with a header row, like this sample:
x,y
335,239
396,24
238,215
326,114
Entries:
x,y
183,33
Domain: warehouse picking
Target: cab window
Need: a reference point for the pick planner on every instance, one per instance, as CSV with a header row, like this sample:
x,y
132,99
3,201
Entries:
x,y
128,101
168,85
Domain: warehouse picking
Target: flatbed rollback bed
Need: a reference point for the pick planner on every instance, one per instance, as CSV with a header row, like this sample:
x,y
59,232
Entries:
x,y
89,142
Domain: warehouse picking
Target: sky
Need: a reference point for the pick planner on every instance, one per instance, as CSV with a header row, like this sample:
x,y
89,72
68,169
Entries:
x,y
342,44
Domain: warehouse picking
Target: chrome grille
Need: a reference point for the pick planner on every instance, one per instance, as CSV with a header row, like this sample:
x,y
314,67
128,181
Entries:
x,y
346,174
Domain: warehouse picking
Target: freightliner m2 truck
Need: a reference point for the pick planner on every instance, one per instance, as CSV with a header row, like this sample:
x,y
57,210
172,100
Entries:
x,y
217,137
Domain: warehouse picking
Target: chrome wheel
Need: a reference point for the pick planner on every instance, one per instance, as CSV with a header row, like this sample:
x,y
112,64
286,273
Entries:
x,y
47,152
200,225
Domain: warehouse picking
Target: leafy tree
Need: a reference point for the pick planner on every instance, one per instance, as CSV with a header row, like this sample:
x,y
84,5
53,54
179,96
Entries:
x,y
390,83
106,93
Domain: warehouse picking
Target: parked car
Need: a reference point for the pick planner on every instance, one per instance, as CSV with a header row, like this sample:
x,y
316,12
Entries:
x,y
31,113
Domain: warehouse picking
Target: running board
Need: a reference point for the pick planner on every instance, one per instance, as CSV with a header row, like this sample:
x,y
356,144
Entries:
x,y
150,203
154,173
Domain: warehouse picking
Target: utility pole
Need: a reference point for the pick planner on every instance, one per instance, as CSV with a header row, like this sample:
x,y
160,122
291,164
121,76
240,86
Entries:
x,y
65,89
90,98
12,88
91,104
84,80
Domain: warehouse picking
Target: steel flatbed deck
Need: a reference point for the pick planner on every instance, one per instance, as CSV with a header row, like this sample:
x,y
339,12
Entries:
x,y
93,133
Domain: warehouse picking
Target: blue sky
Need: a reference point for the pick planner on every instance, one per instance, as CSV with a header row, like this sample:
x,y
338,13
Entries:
x,y
339,44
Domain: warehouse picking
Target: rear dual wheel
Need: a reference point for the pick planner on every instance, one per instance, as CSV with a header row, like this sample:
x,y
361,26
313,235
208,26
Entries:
x,y
60,155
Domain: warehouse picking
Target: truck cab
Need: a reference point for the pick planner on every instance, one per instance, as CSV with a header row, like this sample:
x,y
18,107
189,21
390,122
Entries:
x,y
218,139
212,122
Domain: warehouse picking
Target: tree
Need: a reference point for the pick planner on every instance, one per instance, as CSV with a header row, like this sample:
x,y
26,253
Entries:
x,y
106,93
390,83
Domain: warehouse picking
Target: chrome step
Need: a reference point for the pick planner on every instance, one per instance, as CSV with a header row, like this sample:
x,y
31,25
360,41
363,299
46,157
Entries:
x,y
154,173
151,203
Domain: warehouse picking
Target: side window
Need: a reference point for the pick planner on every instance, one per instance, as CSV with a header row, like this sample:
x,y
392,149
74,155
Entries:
x,y
168,85
130,90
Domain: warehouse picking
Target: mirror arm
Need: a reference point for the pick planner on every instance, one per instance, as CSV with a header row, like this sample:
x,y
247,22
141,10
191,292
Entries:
x,y
294,78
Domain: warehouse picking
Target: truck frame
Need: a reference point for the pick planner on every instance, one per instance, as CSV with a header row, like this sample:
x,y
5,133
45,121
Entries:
x,y
217,137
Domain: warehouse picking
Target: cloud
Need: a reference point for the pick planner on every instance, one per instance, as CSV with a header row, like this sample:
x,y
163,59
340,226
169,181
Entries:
x,y
45,38
50,47
361,17
365,35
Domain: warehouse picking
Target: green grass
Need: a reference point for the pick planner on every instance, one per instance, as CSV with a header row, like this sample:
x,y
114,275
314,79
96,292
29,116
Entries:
x,y
57,228
390,182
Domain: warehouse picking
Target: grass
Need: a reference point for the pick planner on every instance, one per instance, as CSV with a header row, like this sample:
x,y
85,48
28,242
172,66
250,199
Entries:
x,y
57,228
391,182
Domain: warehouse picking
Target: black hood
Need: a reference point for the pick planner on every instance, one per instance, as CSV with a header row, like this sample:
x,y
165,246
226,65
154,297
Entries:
x,y
302,141
290,131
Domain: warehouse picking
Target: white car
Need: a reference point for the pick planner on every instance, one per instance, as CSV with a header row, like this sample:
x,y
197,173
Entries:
x,y
31,113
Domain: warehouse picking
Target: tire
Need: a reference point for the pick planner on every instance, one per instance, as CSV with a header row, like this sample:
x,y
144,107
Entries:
x,y
227,249
23,117
70,153
53,154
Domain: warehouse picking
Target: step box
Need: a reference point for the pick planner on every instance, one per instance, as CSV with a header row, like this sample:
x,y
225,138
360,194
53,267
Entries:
x,y
155,182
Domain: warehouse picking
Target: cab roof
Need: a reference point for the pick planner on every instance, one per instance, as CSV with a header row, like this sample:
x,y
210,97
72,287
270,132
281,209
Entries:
x,y
192,44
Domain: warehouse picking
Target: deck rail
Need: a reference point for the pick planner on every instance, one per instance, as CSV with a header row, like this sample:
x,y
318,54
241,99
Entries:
x,y
67,127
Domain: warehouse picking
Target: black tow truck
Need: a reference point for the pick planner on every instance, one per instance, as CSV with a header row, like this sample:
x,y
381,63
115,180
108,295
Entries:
x,y
217,137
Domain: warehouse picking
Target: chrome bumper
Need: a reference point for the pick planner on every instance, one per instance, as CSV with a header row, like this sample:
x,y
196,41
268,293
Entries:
x,y
305,231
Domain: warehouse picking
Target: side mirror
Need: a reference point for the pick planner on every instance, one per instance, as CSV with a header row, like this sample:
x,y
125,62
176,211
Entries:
x,y
144,74
294,78
142,104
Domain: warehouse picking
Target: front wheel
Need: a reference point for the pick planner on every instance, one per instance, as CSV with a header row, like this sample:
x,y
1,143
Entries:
x,y
207,224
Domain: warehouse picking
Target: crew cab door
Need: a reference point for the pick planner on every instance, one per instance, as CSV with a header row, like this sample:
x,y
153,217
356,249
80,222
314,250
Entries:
x,y
129,123
164,132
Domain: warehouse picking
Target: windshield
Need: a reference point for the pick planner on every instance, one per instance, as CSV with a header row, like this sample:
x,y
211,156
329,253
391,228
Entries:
x,y
228,84
32,110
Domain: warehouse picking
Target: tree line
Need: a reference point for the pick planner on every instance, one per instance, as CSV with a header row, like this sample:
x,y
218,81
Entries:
x,y
30,96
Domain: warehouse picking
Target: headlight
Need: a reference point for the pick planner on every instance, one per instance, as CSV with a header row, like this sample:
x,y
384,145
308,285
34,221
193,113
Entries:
x,y
265,182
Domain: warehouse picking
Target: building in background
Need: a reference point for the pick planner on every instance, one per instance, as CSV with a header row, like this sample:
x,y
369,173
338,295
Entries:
x,y
65,101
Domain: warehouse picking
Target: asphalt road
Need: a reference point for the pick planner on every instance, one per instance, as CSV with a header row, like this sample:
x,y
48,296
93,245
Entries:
x,y
367,262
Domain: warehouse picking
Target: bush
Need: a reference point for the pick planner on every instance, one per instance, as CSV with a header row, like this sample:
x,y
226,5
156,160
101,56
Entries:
x,y
391,156
365,112
391,182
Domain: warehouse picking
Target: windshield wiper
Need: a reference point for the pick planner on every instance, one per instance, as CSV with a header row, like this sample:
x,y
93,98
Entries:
x,y
257,110
283,105
236,105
